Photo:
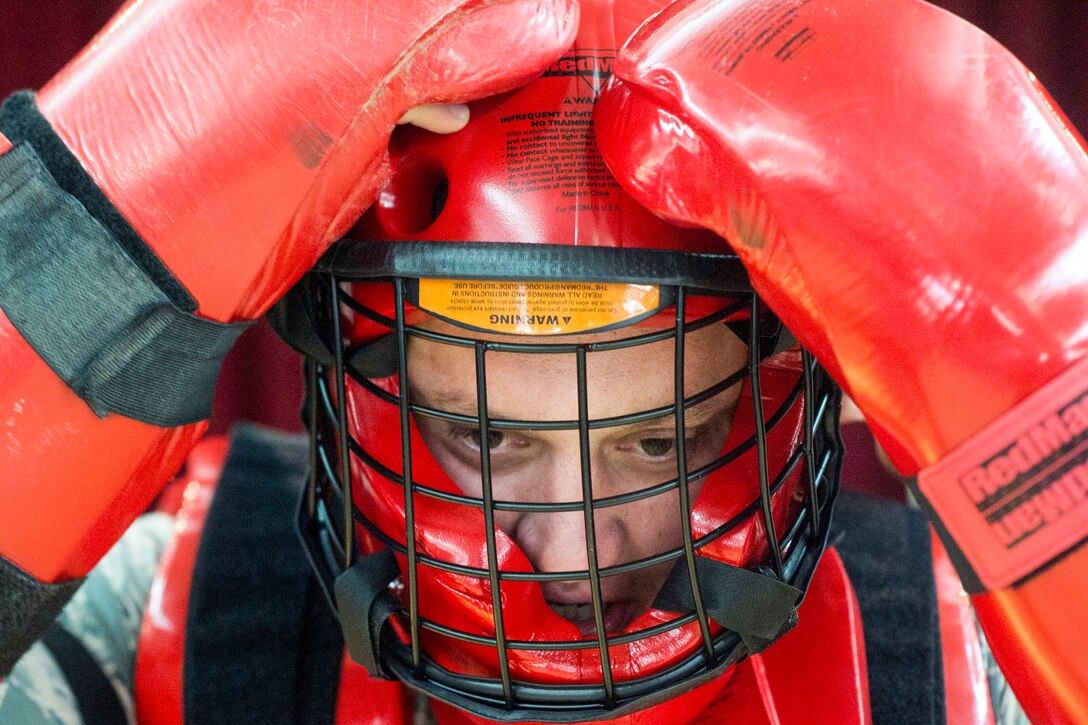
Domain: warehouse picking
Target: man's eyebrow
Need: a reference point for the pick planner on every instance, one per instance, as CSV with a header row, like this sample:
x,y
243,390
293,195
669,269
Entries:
x,y
450,402
458,403
696,415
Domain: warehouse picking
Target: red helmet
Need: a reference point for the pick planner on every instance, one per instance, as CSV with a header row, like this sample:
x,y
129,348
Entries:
x,y
551,432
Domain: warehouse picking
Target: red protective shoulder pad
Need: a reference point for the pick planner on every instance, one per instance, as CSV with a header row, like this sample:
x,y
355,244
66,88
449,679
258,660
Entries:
x,y
160,653
829,623
366,700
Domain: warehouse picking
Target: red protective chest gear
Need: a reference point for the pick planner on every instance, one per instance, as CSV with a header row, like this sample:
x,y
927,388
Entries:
x,y
779,686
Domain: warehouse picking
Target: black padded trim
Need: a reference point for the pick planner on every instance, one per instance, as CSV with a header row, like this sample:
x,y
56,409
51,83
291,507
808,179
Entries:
x,y
358,259
292,319
21,121
885,547
262,645
27,608
92,314
97,700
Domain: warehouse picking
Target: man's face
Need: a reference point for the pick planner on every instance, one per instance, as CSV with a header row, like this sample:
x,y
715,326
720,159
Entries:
x,y
535,466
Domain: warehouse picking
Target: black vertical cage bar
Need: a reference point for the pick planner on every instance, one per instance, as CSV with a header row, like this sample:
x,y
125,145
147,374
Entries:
x,y
311,419
591,530
342,425
682,476
754,360
406,472
489,522
809,402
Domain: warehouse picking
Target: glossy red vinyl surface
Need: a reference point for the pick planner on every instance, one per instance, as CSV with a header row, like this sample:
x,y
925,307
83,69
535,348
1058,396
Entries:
x,y
1038,635
366,700
74,482
829,623
678,711
904,193
241,138
526,169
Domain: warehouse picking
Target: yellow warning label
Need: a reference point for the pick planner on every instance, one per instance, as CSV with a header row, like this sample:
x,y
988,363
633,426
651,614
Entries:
x,y
537,308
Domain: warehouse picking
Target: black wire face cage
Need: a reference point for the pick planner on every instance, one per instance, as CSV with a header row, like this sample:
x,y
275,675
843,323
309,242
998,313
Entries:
x,y
378,603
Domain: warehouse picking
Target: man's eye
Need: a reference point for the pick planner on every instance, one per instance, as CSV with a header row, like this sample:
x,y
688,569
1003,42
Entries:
x,y
656,447
494,438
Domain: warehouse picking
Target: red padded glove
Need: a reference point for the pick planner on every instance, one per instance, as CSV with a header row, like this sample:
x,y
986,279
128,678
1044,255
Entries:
x,y
915,207
238,139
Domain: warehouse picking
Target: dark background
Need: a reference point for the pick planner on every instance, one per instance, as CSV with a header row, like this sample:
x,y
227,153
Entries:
x,y
261,378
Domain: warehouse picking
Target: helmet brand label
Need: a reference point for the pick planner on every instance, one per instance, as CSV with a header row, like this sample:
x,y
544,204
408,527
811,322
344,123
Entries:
x,y
537,308
593,68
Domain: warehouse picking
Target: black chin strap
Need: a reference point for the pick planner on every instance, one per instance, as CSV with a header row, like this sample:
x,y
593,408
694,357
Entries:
x,y
364,604
754,604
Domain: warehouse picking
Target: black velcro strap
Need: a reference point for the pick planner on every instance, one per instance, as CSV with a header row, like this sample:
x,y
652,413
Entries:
x,y
105,316
968,576
755,605
364,604
27,606
97,700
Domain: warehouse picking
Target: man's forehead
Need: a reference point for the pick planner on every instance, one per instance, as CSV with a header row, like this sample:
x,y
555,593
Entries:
x,y
543,386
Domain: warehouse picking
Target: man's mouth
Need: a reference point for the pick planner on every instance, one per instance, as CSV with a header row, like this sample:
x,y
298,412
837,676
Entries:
x,y
617,615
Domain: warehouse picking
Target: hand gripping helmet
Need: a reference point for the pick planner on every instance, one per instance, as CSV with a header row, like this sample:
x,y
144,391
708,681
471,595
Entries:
x,y
566,466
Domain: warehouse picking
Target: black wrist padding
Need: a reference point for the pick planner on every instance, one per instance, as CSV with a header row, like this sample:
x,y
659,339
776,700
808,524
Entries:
x,y
27,608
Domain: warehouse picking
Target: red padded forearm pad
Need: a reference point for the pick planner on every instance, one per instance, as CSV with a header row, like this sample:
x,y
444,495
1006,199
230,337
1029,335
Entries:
x,y
238,139
911,202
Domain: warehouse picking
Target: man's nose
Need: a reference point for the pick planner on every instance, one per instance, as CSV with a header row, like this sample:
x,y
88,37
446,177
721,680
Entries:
x,y
556,541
